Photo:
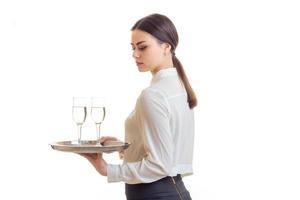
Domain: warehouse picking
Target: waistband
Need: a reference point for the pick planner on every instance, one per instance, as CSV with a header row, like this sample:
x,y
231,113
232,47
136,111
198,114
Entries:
x,y
165,188
173,178
176,179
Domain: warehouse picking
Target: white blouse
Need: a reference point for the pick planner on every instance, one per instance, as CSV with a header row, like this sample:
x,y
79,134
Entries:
x,y
161,132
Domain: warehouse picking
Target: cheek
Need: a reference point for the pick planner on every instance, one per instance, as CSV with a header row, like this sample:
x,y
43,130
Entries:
x,y
154,56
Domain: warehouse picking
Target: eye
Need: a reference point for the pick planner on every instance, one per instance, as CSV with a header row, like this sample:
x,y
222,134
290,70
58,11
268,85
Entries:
x,y
141,48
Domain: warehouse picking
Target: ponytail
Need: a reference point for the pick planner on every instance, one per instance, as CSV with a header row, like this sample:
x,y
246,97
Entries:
x,y
192,99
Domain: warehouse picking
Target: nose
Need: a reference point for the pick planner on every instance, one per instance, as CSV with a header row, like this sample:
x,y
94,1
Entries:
x,y
135,54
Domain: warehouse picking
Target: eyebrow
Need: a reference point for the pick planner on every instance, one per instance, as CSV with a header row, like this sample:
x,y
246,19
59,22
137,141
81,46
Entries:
x,y
138,42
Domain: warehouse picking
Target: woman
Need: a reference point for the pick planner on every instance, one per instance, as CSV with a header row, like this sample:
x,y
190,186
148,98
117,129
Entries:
x,y
161,127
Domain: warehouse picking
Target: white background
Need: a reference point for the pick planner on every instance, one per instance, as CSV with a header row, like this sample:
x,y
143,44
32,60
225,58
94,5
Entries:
x,y
242,58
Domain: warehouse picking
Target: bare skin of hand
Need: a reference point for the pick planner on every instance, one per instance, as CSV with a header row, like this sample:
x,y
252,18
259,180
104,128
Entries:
x,y
96,159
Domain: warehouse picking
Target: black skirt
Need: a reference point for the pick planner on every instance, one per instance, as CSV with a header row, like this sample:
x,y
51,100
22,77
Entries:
x,y
168,188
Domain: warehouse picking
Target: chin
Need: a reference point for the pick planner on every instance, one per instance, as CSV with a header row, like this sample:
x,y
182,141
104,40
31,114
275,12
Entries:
x,y
143,69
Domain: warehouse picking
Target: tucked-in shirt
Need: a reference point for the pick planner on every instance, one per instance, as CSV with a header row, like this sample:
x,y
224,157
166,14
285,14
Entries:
x,y
161,132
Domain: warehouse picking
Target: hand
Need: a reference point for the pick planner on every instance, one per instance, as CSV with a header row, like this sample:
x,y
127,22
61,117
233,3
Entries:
x,y
97,161
106,139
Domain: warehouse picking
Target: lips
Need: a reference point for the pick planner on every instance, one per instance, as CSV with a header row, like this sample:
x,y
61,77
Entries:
x,y
139,63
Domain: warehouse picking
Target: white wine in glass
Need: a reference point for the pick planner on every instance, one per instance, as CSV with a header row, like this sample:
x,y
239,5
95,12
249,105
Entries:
x,y
79,113
98,113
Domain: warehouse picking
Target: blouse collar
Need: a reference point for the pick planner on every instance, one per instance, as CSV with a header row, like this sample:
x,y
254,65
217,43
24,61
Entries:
x,y
171,71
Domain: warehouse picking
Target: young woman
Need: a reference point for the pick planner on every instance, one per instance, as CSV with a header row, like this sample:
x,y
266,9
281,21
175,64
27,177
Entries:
x,y
161,126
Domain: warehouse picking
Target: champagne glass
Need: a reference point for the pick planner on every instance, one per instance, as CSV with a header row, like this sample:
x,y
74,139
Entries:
x,y
98,113
79,113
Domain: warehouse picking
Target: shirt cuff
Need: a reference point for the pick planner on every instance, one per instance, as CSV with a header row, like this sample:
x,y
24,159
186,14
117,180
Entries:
x,y
113,173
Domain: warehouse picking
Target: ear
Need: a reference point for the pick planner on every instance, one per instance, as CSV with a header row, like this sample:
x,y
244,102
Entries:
x,y
167,48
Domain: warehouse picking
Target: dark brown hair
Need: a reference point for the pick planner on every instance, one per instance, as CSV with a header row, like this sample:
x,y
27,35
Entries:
x,y
163,29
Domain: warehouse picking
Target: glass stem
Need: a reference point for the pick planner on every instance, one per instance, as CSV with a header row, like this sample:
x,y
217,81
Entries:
x,y
79,132
98,131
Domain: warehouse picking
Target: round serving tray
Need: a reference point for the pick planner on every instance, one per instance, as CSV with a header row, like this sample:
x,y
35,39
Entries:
x,y
89,146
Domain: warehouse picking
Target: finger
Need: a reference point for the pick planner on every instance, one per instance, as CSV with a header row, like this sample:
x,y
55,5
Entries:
x,y
107,138
99,155
89,155
83,155
103,139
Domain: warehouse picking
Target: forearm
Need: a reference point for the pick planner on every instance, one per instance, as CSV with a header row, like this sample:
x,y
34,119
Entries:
x,y
101,166
97,161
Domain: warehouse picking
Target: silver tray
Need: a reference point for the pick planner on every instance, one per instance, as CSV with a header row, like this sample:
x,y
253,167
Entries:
x,y
89,146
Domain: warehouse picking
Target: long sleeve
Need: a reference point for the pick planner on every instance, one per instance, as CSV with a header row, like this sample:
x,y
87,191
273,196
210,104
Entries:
x,y
153,119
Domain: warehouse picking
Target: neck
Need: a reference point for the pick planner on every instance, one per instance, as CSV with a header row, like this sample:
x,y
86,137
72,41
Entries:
x,y
167,64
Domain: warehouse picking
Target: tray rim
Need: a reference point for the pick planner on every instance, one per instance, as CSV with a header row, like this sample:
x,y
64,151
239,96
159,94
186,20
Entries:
x,y
89,148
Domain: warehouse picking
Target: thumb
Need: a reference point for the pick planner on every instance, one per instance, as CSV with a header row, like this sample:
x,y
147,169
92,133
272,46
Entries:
x,y
107,138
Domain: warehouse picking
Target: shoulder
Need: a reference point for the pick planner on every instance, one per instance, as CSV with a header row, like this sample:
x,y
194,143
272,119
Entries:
x,y
153,98
152,94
